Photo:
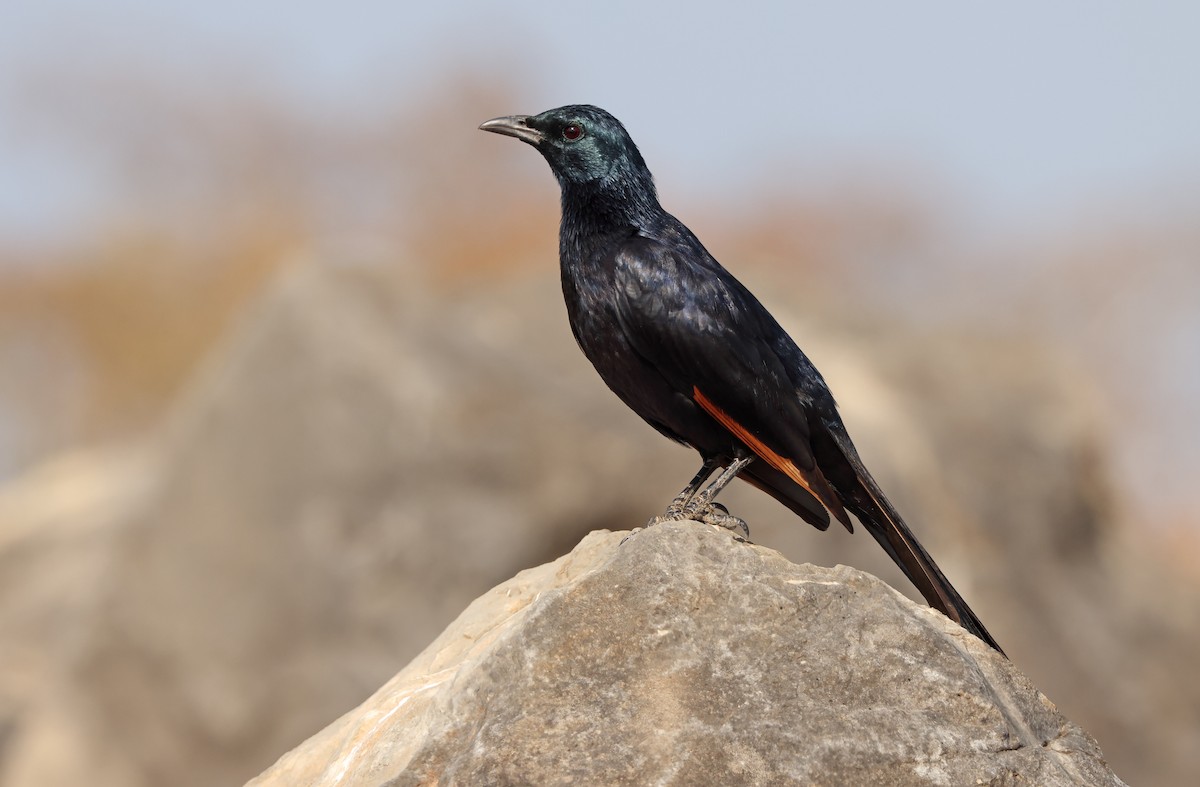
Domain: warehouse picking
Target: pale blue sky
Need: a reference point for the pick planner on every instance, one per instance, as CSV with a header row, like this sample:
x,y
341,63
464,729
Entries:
x,y
1023,111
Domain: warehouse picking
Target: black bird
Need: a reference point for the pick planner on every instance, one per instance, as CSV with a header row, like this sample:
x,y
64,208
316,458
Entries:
x,y
688,348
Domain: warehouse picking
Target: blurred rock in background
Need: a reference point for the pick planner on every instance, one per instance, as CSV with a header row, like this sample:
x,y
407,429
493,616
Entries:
x,y
361,459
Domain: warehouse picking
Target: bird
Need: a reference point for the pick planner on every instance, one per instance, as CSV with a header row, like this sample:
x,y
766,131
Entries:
x,y
691,350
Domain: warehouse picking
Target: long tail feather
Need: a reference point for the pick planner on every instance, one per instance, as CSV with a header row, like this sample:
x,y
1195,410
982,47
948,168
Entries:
x,y
881,520
862,496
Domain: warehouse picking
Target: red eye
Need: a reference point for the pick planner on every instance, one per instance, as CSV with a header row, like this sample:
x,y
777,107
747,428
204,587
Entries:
x,y
572,132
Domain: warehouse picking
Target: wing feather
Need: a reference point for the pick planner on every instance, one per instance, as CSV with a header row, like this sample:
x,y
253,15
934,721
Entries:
x,y
715,343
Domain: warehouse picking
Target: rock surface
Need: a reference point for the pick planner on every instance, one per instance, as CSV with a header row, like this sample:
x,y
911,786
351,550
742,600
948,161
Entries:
x,y
683,657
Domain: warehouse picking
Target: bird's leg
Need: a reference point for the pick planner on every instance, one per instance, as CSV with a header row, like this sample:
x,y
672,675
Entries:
x,y
699,506
703,508
675,509
702,500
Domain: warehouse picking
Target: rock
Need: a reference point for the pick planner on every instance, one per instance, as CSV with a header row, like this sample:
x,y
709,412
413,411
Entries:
x,y
684,657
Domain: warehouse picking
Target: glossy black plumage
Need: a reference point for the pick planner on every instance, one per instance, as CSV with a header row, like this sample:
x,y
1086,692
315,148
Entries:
x,y
694,353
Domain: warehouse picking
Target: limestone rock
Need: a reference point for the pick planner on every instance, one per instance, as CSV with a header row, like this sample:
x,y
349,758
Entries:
x,y
683,657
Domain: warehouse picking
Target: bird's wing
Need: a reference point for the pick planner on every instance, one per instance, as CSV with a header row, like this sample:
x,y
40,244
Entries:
x,y
714,342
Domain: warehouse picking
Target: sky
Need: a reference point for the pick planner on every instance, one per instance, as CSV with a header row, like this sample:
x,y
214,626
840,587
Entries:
x,y
1022,110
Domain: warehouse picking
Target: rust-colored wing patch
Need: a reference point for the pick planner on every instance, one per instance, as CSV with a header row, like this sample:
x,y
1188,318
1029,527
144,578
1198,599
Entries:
x,y
813,480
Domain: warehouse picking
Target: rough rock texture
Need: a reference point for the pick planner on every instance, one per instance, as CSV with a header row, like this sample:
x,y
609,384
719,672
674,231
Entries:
x,y
362,459
683,657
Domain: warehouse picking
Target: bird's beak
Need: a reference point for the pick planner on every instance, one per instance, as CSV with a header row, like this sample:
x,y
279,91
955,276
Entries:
x,y
513,126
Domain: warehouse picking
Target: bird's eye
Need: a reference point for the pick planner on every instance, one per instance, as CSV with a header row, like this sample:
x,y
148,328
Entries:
x,y
572,132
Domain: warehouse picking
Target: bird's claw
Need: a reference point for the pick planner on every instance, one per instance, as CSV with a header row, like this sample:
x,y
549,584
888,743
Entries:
x,y
634,532
718,515
707,512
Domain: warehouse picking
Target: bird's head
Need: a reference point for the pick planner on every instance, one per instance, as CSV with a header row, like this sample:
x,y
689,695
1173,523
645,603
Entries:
x,y
583,144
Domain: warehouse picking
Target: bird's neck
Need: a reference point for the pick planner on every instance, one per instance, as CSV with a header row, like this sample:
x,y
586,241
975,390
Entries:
x,y
591,212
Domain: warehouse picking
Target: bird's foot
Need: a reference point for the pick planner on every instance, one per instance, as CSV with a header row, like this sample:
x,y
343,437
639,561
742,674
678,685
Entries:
x,y
674,513
658,520
709,513
718,515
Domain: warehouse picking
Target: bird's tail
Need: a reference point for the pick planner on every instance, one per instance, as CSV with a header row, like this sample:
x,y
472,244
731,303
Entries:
x,y
880,519
863,498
